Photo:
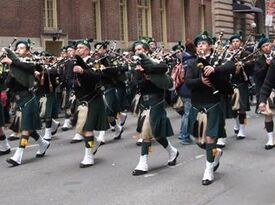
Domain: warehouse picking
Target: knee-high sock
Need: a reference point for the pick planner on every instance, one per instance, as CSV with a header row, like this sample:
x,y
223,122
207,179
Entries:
x,y
145,147
48,123
89,141
269,126
35,135
242,118
163,141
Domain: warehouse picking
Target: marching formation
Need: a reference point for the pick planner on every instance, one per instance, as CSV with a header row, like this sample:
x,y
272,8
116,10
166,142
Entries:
x,y
206,81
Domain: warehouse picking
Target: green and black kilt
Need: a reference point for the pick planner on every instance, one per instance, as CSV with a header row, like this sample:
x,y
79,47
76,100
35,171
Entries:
x,y
226,104
244,97
51,105
215,119
112,103
159,122
29,107
96,118
2,118
121,93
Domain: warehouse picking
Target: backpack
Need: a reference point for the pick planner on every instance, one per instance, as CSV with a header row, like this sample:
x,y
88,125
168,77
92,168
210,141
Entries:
x,y
177,75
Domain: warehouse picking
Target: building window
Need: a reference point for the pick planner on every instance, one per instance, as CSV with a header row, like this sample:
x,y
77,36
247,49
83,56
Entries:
x,y
50,14
123,20
163,26
96,15
202,16
144,18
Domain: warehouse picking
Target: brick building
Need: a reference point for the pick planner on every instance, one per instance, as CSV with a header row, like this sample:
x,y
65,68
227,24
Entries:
x,y
234,16
50,24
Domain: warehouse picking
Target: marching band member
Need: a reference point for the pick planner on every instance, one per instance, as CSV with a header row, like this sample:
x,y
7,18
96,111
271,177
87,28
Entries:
x,y
91,109
206,117
112,90
67,83
240,81
262,66
21,82
153,121
47,84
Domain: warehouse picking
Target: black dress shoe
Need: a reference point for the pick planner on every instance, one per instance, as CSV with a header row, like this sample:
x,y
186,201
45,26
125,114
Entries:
x,y
207,182
137,172
75,141
138,143
65,128
173,163
12,162
85,165
221,146
13,138
240,137
268,147
5,152
236,131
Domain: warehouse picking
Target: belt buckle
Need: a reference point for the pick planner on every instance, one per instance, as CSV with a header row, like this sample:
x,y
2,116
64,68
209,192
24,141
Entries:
x,y
145,97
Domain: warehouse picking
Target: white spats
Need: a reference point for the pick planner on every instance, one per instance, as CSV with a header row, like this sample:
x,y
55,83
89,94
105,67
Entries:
x,y
77,138
208,175
143,163
55,125
270,144
4,146
101,136
221,142
270,138
48,134
172,154
241,133
43,146
88,159
67,125
17,157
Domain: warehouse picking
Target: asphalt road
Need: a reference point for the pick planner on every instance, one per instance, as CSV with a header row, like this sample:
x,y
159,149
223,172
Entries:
x,y
246,174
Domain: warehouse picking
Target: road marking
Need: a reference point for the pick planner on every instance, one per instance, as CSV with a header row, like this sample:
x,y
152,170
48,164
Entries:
x,y
150,175
33,145
199,156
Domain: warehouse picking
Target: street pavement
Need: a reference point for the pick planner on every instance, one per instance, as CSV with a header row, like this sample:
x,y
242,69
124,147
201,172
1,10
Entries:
x,y
245,176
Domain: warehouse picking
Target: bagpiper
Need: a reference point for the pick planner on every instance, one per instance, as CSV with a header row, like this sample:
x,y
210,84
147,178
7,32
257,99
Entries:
x,y
263,64
206,117
21,82
91,114
153,121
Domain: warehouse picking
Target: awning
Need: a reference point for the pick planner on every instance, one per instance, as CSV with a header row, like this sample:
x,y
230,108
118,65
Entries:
x,y
245,8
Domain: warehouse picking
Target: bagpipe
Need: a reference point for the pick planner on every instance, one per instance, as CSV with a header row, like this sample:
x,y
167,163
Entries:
x,y
218,80
155,70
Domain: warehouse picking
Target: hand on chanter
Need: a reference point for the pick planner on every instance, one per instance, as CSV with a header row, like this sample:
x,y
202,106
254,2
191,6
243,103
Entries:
x,y
6,60
78,69
208,70
205,81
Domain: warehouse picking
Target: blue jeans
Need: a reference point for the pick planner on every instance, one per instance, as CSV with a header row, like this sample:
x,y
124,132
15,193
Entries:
x,y
184,134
